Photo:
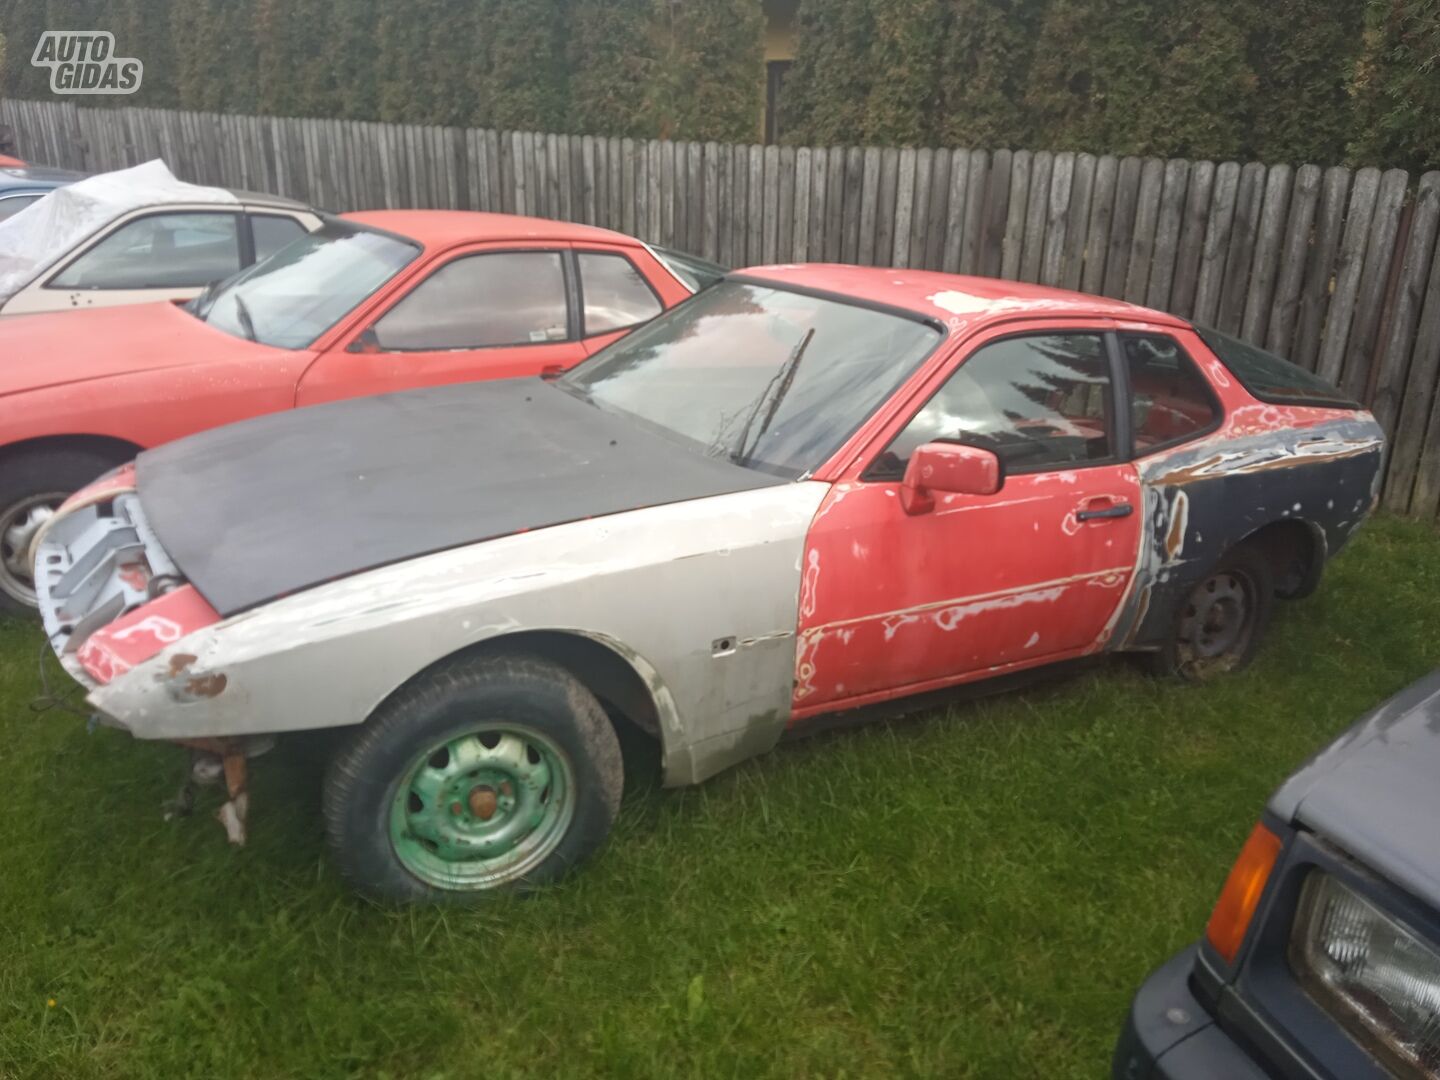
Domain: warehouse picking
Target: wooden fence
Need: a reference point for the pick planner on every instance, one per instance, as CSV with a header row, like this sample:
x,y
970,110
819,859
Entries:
x,y
1336,269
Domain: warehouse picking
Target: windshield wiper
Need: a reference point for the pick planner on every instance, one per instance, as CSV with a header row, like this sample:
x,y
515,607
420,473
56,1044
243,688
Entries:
x,y
243,314
196,306
785,378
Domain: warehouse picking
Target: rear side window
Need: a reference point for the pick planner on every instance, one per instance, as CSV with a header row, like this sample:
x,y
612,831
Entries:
x,y
159,251
481,301
615,294
1170,401
273,232
1271,379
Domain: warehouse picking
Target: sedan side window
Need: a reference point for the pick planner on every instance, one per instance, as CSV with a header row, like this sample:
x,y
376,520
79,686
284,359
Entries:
x,y
1039,402
1170,401
480,301
159,251
616,296
13,204
272,232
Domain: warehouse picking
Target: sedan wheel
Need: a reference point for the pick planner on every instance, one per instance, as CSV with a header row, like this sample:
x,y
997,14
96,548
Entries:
x,y
20,523
483,773
1222,619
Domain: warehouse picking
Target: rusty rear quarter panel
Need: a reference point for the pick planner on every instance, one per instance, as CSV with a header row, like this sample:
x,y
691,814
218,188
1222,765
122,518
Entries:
x,y
1266,465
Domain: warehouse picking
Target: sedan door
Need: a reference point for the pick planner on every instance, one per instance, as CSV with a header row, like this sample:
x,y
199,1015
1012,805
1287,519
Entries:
x,y
897,601
494,312
150,255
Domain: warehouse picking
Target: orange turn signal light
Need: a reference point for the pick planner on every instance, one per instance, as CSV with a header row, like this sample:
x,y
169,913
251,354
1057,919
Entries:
x,y
1241,894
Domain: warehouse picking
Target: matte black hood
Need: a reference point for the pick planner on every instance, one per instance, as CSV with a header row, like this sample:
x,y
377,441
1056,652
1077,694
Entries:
x,y
270,506
1375,791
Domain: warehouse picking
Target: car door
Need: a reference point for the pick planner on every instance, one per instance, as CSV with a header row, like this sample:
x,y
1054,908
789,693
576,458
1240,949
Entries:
x,y
149,255
487,312
896,602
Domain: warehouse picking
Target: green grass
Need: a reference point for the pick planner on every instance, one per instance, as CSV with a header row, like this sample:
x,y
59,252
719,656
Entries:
x,y
971,892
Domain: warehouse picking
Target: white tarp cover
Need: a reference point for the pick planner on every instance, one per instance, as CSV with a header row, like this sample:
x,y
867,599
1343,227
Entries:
x,y
49,228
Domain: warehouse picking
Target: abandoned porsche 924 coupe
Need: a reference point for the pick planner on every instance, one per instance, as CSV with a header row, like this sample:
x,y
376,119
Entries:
x,y
804,491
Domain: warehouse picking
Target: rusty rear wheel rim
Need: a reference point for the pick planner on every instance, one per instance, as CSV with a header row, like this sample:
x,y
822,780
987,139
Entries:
x,y
483,808
1217,624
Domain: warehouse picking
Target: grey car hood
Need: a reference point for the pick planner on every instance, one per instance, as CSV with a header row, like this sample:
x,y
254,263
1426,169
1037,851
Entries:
x,y
284,502
1375,791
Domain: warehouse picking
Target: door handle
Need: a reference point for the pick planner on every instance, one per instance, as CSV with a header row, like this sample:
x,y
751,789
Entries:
x,y
1114,510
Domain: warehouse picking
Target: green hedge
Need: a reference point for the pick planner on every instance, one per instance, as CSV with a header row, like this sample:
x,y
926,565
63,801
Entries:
x,y
633,67
1280,80
1297,80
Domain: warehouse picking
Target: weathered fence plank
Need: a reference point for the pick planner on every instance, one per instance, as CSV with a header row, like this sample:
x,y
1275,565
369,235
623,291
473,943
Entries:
x,y
1380,252
1274,210
1243,233
1191,245
1142,235
1077,224
1122,226
1037,210
1167,233
1013,238
1102,215
1363,195
1285,306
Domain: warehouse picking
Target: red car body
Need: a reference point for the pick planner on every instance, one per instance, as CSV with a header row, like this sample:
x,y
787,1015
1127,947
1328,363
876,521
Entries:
x,y
85,390
149,373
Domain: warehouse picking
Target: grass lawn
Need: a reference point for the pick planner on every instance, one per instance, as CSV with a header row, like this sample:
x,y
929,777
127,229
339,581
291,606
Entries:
x,y
971,892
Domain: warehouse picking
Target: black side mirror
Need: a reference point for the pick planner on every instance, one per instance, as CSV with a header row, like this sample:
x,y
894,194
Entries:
x,y
366,342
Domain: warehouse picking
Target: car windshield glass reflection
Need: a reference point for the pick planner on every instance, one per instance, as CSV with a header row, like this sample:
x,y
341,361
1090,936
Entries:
x,y
305,288
760,376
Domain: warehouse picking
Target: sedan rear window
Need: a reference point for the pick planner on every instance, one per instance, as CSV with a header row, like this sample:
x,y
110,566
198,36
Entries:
x,y
1271,379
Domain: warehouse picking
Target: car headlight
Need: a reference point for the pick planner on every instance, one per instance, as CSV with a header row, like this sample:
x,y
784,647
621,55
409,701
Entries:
x,y
1371,973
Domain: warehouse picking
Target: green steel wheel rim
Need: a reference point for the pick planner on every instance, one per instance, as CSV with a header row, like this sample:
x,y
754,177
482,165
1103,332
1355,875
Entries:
x,y
484,808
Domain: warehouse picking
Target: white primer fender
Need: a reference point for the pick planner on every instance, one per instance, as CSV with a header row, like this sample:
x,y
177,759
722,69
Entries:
x,y
663,586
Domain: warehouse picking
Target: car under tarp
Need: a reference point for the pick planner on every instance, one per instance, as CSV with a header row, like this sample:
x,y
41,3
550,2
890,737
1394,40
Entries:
x,y
48,229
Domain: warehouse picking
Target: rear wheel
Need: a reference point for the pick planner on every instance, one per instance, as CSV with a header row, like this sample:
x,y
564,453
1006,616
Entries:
x,y
1220,622
486,773
32,487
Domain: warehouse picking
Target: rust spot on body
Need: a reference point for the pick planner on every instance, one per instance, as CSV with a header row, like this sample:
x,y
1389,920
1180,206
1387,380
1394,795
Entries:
x,y
184,686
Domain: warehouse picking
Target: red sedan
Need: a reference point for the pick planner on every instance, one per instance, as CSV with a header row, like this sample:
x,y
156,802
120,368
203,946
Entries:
x,y
368,303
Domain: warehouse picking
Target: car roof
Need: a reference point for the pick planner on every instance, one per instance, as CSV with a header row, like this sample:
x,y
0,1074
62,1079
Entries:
x,y
948,297
442,228
32,177
259,198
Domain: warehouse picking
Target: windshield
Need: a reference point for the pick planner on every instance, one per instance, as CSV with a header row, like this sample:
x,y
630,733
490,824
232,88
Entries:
x,y
766,378
694,271
305,288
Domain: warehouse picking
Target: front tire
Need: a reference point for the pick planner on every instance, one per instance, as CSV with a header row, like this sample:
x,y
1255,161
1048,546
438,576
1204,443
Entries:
x,y
1219,624
32,487
485,773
